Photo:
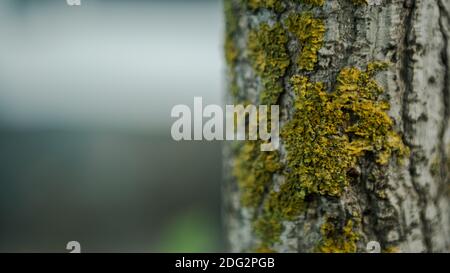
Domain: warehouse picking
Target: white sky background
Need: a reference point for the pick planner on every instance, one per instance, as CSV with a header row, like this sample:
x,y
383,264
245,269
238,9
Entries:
x,y
120,64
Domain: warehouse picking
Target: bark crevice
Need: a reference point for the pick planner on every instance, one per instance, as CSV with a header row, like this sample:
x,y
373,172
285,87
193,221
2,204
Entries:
x,y
444,16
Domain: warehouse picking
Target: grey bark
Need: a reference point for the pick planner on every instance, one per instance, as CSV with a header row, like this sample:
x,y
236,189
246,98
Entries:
x,y
414,36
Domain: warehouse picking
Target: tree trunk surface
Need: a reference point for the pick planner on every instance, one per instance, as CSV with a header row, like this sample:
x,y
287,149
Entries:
x,y
392,192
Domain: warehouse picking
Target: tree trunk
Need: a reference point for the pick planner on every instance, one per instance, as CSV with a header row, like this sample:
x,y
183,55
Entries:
x,y
363,88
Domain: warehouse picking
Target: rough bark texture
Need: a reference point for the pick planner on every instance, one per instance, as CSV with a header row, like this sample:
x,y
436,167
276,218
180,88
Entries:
x,y
403,206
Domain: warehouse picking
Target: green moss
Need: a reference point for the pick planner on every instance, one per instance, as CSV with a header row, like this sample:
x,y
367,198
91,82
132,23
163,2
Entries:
x,y
269,58
310,33
337,239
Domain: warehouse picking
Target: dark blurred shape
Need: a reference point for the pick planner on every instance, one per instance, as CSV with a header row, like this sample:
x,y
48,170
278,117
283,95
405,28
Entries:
x,y
109,191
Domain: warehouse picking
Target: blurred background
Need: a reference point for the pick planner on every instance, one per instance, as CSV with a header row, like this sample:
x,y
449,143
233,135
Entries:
x,y
85,146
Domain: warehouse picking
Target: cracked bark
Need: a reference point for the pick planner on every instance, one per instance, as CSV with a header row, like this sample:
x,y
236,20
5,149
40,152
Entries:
x,y
414,36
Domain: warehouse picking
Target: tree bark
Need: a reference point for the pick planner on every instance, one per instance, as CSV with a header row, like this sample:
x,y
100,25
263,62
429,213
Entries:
x,y
403,202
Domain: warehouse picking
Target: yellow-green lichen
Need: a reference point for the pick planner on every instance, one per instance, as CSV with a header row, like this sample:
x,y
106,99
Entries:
x,y
276,5
435,166
231,26
269,57
231,52
254,170
310,34
264,249
283,204
230,48
337,239
268,229
327,135
330,131
391,249
318,3
278,207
